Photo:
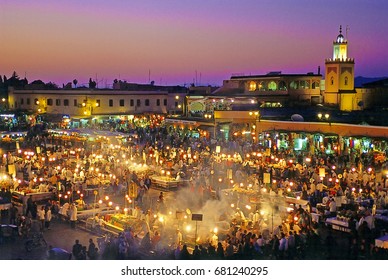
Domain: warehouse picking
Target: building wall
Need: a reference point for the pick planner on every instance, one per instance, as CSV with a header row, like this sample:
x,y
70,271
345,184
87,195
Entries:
x,y
337,71
326,128
296,87
347,102
94,102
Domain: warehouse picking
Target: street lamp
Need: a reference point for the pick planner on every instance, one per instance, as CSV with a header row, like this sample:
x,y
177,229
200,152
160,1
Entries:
x,y
324,117
256,114
3,103
88,106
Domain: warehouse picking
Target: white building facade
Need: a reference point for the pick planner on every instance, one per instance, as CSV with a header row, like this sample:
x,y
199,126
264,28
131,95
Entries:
x,y
94,102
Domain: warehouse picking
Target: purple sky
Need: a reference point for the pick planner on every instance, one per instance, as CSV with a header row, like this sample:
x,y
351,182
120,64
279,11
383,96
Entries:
x,y
180,41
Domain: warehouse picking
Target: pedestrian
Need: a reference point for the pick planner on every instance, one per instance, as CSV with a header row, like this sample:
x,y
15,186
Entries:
x,y
92,250
184,253
25,205
41,217
13,212
178,238
47,218
83,253
283,246
77,250
73,215
34,210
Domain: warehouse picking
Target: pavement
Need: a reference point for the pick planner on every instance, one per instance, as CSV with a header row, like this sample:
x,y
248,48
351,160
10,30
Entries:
x,y
61,235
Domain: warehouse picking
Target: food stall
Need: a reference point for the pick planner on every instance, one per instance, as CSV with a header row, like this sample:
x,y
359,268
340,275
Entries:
x,y
5,206
84,214
118,222
164,182
338,224
17,196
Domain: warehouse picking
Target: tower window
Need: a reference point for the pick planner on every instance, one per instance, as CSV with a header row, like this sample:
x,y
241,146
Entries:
x,y
346,81
332,81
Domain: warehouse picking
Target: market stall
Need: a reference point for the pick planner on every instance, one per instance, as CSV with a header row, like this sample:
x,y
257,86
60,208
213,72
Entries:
x,y
119,222
382,242
338,224
5,206
164,182
17,196
87,213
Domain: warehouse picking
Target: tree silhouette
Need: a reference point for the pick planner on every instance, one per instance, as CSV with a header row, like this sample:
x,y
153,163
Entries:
x,y
92,84
51,85
15,76
75,82
38,82
15,81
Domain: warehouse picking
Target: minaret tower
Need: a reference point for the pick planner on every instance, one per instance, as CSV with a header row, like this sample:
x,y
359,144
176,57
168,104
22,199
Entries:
x,y
339,78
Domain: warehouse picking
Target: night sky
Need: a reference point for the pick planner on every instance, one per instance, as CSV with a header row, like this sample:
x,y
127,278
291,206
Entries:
x,y
183,41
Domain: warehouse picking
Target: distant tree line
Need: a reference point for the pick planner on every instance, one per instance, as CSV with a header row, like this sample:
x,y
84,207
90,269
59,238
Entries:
x,y
18,83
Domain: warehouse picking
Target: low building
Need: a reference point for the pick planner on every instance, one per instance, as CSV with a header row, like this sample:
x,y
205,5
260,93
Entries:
x,y
87,103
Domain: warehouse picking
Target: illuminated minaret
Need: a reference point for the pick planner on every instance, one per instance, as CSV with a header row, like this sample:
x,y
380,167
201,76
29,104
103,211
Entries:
x,y
339,78
340,47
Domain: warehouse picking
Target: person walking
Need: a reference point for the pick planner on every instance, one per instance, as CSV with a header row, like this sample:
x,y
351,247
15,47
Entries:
x,y
73,215
41,217
47,218
13,212
92,250
178,238
25,205
77,250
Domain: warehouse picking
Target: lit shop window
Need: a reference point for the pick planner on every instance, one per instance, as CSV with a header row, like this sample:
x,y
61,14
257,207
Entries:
x,y
252,86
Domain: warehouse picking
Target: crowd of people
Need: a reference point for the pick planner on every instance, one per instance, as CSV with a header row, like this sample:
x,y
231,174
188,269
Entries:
x,y
355,188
